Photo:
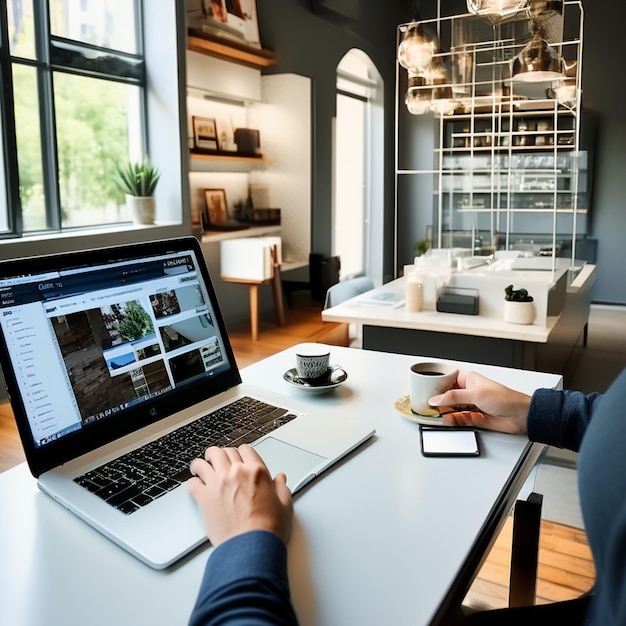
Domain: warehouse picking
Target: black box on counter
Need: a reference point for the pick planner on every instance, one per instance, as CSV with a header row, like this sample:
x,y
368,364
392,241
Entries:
x,y
458,300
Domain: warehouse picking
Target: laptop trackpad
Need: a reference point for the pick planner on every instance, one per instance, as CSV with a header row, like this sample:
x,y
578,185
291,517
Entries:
x,y
296,463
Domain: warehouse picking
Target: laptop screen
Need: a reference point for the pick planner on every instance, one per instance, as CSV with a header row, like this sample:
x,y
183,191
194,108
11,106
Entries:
x,y
97,344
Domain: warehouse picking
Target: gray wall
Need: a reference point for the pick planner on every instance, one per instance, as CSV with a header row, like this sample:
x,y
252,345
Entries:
x,y
604,93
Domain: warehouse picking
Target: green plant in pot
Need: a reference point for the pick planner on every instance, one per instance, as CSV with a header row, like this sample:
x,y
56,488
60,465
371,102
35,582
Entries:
x,y
519,307
138,180
422,246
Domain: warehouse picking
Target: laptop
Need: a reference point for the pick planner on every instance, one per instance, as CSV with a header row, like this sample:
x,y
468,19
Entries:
x,y
120,371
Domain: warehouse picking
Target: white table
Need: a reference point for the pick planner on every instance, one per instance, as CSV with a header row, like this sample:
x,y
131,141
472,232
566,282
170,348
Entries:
x,y
473,337
386,536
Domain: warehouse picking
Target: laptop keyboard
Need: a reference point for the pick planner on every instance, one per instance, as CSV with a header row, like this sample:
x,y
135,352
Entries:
x,y
145,474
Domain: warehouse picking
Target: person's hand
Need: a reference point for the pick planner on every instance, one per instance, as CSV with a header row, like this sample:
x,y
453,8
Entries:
x,y
484,403
236,494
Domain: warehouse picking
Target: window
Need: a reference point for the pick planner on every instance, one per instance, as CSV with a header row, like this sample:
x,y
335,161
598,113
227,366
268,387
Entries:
x,y
73,102
357,227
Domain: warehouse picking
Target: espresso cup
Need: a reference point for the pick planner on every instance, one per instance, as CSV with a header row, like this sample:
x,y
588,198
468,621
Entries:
x,y
312,360
427,380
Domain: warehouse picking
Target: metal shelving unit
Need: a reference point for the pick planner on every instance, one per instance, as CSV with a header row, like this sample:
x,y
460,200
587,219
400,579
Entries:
x,y
508,164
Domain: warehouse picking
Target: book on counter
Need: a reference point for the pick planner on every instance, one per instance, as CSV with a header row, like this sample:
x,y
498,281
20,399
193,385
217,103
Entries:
x,y
386,299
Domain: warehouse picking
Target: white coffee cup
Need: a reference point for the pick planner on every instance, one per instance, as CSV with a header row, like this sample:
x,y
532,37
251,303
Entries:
x,y
312,360
427,380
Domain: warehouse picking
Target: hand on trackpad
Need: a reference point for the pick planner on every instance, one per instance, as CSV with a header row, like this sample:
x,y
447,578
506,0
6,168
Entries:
x,y
299,465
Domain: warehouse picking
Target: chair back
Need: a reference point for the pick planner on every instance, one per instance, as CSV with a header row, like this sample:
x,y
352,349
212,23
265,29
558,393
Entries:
x,y
346,289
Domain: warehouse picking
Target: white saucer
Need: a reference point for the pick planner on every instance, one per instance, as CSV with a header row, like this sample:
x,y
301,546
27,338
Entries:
x,y
334,377
403,406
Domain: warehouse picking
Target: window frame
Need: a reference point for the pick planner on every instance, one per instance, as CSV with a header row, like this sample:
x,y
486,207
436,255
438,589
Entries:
x,y
7,120
49,50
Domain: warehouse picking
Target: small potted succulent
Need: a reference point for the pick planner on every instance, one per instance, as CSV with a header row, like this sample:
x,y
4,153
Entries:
x,y
519,307
138,180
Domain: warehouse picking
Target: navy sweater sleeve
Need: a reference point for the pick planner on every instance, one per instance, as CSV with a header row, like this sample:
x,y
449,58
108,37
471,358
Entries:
x,y
560,418
245,584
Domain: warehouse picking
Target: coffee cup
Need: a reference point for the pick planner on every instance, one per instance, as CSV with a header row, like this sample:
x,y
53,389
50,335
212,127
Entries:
x,y
312,360
427,380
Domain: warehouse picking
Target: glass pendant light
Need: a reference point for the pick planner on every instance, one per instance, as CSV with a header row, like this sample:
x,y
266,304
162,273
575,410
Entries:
x,y
416,50
537,62
418,95
443,102
496,10
545,9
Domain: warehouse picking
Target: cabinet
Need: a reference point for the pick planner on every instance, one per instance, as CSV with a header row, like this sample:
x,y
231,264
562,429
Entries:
x,y
509,168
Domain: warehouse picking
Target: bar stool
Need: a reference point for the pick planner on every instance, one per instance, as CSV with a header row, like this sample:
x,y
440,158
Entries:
x,y
254,261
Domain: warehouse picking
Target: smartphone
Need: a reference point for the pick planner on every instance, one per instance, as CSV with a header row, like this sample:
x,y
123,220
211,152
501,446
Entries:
x,y
443,441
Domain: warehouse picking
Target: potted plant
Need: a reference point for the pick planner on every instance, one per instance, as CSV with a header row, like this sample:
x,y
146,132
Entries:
x,y
422,246
138,180
519,307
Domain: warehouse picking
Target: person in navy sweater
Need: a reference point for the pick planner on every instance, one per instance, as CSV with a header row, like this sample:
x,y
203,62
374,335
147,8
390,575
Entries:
x,y
248,518
248,515
593,425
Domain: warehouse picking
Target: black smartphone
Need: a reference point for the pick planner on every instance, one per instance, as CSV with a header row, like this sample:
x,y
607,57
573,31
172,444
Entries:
x,y
443,441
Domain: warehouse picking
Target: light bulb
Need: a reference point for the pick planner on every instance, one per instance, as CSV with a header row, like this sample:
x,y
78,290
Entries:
x,y
418,95
496,10
416,50
537,62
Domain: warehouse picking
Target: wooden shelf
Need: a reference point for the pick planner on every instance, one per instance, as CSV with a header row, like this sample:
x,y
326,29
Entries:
x,y
227,158
215,236
229,49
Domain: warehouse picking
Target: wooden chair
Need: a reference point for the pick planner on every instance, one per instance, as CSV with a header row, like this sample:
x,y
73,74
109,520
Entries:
x,y
254,277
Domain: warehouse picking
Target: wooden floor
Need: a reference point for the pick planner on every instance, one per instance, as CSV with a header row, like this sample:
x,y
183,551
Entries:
x,y
565,565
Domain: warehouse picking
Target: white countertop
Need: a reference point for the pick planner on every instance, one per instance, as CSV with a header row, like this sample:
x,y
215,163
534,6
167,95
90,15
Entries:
x,y
352,311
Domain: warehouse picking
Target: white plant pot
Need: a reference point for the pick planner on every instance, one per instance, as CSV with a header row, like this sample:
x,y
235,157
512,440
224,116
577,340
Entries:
x,y
519,312
141,208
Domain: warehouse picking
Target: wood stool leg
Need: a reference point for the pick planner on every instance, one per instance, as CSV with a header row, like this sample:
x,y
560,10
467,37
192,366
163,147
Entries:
x,y
278,299
254,311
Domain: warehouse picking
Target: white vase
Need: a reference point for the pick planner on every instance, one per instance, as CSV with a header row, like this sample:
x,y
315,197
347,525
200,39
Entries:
x,y
519,312
141,208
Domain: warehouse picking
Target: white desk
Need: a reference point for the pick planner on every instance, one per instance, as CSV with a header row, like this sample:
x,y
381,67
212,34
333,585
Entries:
x,y
473,337
387,536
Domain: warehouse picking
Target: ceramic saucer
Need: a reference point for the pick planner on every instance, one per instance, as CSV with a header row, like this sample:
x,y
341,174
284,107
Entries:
x,y
333,378
403,406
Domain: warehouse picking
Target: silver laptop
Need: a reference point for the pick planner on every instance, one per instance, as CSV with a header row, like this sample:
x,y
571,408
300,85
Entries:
x,y
120,371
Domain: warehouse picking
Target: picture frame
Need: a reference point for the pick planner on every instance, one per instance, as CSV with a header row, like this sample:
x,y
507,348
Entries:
x,y
204,133
225,134
231,19
216,207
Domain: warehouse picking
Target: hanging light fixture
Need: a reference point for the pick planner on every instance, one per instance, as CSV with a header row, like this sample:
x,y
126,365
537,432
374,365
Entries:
x,y
538,61
418,95
496,10
416,49
442,102
545,9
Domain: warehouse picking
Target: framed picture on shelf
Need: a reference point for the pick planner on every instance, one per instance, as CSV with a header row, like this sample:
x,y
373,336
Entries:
x,y
251,27
225,135
215,216
229,19
204,133
217,209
